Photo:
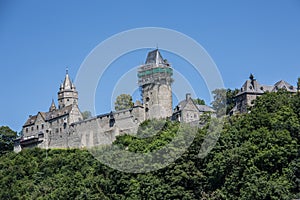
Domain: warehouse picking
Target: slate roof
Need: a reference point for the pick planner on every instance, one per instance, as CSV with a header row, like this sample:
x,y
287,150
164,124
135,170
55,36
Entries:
x,y
58,113
201,108
49,115
205,108
154,57
253,86
284,85
30,120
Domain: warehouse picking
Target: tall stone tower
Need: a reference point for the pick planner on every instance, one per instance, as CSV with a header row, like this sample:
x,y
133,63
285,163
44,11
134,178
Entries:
x,y
155,79
67,94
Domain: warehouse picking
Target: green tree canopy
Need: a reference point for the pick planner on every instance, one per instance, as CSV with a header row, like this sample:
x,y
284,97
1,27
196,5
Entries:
x,y
86,114
223,100
123,101
199,101
6,139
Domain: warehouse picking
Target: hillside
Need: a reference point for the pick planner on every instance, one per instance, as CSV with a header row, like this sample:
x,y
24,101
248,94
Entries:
x,y
256,157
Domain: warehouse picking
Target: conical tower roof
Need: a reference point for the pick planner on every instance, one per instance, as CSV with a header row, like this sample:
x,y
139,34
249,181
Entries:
x,y
52,107
67,82
154,57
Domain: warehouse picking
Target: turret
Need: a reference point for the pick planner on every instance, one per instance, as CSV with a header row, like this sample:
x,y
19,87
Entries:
x,y
52,107
67,94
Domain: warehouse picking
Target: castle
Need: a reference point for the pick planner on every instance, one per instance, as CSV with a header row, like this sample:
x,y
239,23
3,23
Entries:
x,y
64,127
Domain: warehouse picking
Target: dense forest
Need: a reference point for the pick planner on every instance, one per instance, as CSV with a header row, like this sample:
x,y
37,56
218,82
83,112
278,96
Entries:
x,y
255,157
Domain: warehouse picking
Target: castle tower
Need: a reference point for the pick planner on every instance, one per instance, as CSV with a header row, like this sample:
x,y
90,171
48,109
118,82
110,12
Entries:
x,y
67,94
155,79
52,107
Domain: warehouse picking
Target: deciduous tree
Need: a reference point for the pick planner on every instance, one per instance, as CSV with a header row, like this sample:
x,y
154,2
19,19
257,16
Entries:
x,y
6,139
123,101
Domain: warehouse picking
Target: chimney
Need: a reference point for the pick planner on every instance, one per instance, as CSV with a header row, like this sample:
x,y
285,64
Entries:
x,y
187,96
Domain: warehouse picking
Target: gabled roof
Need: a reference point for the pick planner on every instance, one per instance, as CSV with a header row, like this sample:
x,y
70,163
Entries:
x,y
205,108
201,108
31,120
284,85
154,57
49,115
252,86
58,113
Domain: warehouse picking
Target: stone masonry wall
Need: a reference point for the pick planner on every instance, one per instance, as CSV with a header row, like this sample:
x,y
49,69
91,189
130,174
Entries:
x,y
99,130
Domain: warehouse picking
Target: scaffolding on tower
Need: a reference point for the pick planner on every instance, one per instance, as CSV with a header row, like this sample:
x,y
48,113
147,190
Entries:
x,y
156,70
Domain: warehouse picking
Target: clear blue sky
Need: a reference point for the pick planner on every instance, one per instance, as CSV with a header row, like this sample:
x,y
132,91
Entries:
x,y
39,39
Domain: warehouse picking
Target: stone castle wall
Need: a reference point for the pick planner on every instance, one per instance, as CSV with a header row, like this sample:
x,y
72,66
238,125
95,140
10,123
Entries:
x,y
99,130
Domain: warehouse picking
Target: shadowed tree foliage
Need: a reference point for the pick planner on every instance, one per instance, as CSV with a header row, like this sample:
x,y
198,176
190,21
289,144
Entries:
x,y
199,101
298,86
86,114
223,100
6,139
123,101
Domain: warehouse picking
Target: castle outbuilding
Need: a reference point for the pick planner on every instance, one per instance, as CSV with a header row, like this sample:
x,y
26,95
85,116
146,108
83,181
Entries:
x,y
188,111
252,89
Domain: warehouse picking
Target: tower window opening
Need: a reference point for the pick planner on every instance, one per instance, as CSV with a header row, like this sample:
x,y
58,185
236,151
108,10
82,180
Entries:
x,y
147,109
147,99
